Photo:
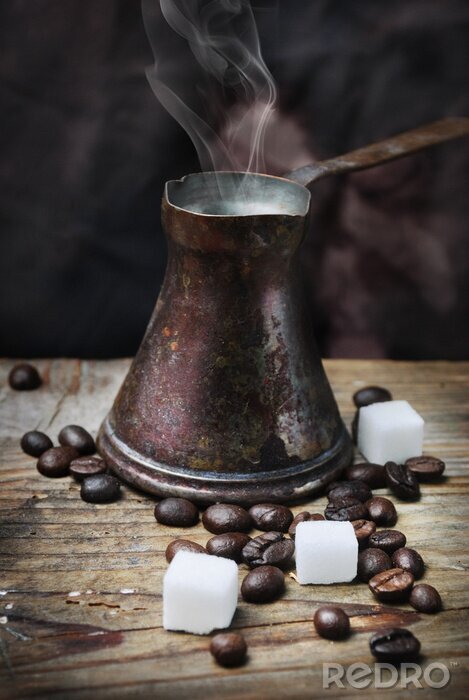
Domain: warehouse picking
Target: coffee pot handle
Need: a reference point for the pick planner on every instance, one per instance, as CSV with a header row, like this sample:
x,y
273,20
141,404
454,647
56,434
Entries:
x,y
383,151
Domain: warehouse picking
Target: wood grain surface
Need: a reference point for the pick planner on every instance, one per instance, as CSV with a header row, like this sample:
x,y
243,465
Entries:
x,y
80,587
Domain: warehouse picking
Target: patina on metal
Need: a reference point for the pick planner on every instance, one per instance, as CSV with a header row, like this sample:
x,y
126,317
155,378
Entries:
x,y
227,399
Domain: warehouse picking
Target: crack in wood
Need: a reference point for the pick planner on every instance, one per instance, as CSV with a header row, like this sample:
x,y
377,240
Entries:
x,y
6,658
18,635
58,407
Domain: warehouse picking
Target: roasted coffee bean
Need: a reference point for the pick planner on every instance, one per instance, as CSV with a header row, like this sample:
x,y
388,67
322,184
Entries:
x,y
24,377
87,466
332,485
426,468
425,598
393,584
388,540
371,394
402,481
100,488
331,622
262,585
354,427
409,560
371,562
363,530
346,509
178,512
182,546
371,474
229,545
228,649
270,548
225,517
382,511
271,516
55,462
394,645
350,489
303,517
77,437
34,443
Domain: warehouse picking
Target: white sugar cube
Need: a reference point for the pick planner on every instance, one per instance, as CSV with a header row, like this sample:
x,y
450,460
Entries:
x,y
390,431
325,551
200,593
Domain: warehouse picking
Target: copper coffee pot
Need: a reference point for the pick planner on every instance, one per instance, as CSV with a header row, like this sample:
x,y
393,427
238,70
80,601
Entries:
x,y
227,399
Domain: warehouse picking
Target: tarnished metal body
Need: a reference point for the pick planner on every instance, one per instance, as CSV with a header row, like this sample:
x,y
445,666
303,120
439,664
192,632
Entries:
x,y
227,398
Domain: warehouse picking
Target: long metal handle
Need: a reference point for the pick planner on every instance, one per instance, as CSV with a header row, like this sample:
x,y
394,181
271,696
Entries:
x,y
376,153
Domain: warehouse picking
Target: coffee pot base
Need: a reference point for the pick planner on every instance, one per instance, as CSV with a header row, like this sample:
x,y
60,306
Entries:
x,y
287,485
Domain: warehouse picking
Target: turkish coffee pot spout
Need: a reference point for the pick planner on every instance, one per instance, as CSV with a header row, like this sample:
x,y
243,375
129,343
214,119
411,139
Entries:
x,y
227,399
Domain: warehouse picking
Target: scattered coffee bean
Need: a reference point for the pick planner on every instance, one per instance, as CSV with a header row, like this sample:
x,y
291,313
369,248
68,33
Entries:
x,y
346,509
371,474
178,512
182,545
382,511
394,645
34,443
409,560
363,530
425,598
100,488
350,489
371,394
270,548
331,622
271,516
262,585
226,517
391,585
354,427
229,545
55,462
24,377
87,466
77,437
371,562
228,649
332,485
302,517
426,468
402,481
388,540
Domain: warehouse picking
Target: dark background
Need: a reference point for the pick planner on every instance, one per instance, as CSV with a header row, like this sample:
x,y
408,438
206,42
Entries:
x,y
86,148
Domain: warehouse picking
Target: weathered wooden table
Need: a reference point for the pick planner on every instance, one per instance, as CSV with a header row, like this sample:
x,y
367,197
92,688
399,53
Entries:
x,y
80,589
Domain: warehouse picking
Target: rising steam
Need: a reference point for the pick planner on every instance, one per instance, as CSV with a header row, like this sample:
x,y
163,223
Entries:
x,y
223,38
